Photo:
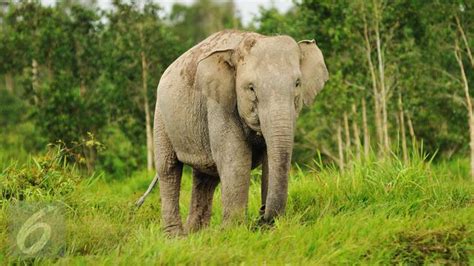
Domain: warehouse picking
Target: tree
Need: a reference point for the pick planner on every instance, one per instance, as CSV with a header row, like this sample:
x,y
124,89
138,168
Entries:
x,y
465,82
195,22
142,47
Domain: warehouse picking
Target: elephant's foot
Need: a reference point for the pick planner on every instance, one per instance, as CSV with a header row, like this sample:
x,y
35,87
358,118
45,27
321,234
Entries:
x,y
235,217
263,223
261,212
195,224
175,230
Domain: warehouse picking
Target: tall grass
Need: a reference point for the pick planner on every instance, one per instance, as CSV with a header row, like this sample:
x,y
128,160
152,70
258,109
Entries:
x,y
377,211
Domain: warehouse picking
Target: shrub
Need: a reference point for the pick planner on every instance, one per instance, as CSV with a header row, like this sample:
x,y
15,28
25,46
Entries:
x,y
42,177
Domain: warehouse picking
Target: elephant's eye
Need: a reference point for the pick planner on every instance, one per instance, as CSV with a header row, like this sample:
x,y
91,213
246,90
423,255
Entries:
x,y
298,83
251,87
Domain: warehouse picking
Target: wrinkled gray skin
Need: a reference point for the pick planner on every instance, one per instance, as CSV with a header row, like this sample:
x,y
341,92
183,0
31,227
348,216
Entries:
x,y
224,107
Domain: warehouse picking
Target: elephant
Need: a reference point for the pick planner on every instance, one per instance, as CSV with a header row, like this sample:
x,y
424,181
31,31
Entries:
x,y
224,107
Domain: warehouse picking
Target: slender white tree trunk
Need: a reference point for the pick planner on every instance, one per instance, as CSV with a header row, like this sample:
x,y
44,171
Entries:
x,y
464,38
375,91
366,130
383,92
347,133
355,128
146,107
411,130
471,143
340,147
457,54
34,80
401,117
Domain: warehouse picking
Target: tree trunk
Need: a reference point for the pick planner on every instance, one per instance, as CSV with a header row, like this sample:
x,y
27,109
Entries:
x,y
146,107
378,118
34,80
347,133
355,128
9,84
366,130
340,147
466,88
90,154
464,38
457,54
471,143
411,130
383,93
397,120
402,128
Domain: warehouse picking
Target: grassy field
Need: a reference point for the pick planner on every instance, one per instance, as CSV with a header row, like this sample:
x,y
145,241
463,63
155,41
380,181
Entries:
x,y
375,212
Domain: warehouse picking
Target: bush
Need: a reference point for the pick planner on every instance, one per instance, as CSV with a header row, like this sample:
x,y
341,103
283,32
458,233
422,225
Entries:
x,y
44,177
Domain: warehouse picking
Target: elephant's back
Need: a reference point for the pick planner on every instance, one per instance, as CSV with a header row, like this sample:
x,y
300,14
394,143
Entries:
x,y
185,66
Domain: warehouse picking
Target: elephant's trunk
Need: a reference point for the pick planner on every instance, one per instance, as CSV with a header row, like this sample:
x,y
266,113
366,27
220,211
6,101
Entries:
x,y
278,131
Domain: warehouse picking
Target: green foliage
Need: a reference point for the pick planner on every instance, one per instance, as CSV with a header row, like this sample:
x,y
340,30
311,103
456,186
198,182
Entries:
x,y
90,73
77,80
18,142
42,178
417,42
444,245
195,22
19,135
376,185
60,115
11,110
375,213
117,159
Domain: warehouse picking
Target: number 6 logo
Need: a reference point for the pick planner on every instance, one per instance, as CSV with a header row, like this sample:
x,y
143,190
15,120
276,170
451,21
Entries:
x,y
29,227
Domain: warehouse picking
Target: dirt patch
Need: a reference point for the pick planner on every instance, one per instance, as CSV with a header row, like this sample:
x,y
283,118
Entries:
x,y
191,67
249,43
441,246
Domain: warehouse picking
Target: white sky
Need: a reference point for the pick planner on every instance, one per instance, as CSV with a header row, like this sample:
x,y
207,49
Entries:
x,y
247,9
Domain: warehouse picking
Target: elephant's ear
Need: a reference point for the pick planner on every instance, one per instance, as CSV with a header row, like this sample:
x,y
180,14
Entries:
x,y
313,70
215,77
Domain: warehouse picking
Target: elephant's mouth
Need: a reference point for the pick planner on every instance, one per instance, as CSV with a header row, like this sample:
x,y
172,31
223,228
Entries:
x,y
255,128
253,122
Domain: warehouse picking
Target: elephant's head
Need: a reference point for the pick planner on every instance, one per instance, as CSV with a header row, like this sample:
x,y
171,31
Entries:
x,y
266,80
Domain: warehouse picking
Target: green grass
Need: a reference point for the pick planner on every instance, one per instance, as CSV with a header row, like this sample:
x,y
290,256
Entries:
x,y
377,212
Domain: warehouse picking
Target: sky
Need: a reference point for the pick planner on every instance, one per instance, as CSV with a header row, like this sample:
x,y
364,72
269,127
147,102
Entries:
x,y
247,9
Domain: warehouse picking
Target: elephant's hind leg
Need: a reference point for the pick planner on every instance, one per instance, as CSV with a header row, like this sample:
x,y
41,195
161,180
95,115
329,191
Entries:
x,y
170,182
201,201
169,170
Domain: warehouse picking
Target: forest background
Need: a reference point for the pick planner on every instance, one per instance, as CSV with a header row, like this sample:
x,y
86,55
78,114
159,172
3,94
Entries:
x,y
383,161
400,73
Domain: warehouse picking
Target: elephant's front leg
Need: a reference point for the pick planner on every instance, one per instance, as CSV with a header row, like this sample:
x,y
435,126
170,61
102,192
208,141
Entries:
x,y
233,157
235,178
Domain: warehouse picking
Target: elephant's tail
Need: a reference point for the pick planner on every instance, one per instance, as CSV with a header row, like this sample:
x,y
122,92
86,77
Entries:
x,y
147,192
